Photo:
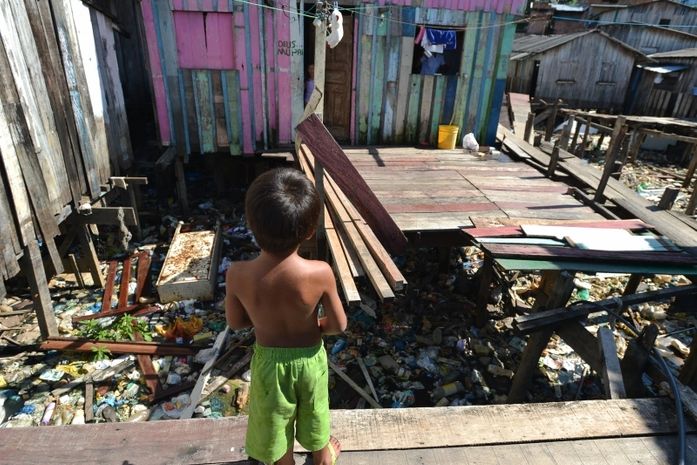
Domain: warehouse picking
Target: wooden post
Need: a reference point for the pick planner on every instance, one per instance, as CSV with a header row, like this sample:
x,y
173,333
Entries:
x,y
553,161
90,254
618,135
320,64
76,270
33,269
181,184
688,372
612,374
580,150
668,198
692,203
574,139
635,359
134,204
536,344
635,141
552,120
691,168
566,132
529,126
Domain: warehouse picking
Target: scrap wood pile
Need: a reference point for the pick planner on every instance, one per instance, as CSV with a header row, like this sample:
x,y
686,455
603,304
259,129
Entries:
x,y
355,249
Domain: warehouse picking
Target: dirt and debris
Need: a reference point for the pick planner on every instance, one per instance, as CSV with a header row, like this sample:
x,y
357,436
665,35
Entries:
x,y
420,349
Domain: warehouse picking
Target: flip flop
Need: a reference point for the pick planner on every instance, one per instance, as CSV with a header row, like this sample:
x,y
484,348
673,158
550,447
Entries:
x,y
333,450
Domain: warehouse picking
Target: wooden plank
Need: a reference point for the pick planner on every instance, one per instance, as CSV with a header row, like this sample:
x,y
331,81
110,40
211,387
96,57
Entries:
x,y
509,251
584,344
220,123
124,284
426,107
353,385
79,94
328,152
231,93
204,110
118,347
412,128
43,306
612,373
403,96
109,288
88,251
45,39
205,373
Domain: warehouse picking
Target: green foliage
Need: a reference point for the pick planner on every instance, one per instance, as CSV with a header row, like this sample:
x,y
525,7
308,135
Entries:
x,y
124,328
100,353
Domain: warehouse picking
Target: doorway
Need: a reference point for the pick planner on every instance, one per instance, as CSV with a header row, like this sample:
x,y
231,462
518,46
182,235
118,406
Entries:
x,y
338,77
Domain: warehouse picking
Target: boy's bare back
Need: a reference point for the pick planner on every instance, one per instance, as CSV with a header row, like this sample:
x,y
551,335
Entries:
x,y
279,297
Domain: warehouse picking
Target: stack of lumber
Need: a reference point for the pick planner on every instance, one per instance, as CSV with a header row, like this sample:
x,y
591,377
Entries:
x,y
354,248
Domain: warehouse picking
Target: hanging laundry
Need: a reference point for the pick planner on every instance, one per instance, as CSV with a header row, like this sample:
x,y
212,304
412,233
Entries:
x,y
447,38
431,65
429,48
420,35
336,21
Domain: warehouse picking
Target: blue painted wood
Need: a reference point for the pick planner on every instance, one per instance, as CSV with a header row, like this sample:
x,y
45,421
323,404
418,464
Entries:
x,y
409,21
465,126
488,75
449,102
157,6
373,63
185,113
493,122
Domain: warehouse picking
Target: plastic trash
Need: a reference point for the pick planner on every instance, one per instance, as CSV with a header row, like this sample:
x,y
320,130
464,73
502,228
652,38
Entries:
x,y
469,142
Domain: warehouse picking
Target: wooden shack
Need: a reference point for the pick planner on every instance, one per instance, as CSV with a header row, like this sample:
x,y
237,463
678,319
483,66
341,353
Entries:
x,y
553,67
651,39
63,132
668,87
667,13
229,76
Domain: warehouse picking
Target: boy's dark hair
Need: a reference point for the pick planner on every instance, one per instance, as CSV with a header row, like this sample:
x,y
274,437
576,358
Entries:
x,y
282,208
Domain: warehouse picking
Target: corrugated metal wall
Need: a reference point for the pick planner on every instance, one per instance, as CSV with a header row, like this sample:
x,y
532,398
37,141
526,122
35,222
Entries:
x,y
254,104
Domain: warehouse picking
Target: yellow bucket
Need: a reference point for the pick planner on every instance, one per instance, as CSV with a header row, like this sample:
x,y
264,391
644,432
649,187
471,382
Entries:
x,y
447,136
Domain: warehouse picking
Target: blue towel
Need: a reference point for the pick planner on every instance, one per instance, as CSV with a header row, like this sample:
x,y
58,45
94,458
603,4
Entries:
x,y
439,36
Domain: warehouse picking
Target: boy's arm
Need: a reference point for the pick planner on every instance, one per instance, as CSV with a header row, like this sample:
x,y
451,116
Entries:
x,y
334,321
235,313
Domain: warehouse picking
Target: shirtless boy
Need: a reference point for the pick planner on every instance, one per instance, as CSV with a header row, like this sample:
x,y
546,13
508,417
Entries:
x,y
278,294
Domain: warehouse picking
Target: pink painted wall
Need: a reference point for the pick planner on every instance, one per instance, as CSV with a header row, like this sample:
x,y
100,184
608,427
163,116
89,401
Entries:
x,y
204,41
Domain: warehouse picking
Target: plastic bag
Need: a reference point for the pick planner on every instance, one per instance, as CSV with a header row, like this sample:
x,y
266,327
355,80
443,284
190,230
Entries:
x,y
470,143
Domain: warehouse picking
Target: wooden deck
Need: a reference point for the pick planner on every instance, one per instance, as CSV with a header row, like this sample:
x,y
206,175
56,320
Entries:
x,y
442,190
589,432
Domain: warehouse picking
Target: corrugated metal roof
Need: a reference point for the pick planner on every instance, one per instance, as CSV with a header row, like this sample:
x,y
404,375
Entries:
x,y
684,53
568,8
664,69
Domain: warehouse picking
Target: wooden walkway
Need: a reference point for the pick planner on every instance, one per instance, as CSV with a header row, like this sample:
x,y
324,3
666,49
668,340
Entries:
x,y
589,432
679,228
444,190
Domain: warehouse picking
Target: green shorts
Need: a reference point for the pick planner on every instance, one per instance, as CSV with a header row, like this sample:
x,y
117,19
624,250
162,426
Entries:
x,y
288,399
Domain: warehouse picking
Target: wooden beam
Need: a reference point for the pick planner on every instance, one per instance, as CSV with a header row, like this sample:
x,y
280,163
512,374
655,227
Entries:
x,y
125,280
692,203
353,384
109,288
688,372
612,374
553,161
556,316
636,359
118,347
90,254
529,127
618,135
668,198
536,344
166,159
334,160
33,269
691,168
566,132
552,120
76,270
667,135
583,343
109,215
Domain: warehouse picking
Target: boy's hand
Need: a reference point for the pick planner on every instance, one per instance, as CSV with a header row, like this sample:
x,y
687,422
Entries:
x,y
334,321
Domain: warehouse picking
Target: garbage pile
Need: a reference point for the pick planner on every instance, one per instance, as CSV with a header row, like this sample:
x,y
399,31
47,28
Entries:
x,y
421,349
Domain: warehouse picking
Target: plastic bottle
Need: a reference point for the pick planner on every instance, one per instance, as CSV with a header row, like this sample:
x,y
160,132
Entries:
x,y
48,413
